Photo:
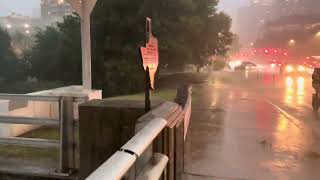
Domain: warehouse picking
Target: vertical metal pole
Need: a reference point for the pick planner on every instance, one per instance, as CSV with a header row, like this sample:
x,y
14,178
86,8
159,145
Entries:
x,y
148,29
67,151
147,91
147,76
61,132
86,46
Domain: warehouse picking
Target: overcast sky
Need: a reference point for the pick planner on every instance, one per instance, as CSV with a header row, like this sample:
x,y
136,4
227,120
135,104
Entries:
x,y
231,7
26,7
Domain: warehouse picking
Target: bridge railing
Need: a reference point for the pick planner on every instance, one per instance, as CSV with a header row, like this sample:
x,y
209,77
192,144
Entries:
x,y
65,122
118,164
156,151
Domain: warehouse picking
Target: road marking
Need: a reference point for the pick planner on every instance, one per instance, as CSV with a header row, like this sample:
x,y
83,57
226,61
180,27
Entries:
x,y
291,118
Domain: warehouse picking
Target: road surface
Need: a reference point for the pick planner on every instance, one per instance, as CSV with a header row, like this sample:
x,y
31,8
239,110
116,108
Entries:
x,y
247,125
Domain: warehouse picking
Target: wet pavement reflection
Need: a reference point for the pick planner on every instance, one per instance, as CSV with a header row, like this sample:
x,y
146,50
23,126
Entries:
x,y
249,127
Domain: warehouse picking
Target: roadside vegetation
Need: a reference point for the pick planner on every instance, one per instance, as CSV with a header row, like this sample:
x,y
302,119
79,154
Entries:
x,y
189,32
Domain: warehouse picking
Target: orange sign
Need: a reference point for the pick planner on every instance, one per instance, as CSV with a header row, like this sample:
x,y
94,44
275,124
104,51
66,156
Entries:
x,y
150,57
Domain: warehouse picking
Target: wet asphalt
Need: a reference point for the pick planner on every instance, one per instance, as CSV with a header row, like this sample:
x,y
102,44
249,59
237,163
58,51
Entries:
x,y
250,125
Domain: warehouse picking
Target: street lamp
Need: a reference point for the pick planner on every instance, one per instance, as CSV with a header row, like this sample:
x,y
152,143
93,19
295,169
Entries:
x,y
8,26
317,36
292,42
26,25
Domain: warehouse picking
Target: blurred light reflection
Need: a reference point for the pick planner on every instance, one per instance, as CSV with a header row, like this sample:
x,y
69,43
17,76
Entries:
x,y
295,90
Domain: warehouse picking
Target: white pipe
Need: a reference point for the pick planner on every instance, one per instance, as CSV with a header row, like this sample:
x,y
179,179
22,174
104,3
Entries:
x,y
145,137
114,168
154,170
118,164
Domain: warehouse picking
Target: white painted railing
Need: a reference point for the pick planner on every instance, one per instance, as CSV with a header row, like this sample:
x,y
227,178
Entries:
x,y
65,122
118,164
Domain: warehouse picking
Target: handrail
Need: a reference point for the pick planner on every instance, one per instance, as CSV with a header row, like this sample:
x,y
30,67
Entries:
x,y
30,142
64,121
28,120
29,97
118,164
144,138
156,148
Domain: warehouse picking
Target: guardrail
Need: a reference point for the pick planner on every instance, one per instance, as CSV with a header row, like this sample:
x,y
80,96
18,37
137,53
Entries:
x,y
123,160
65,123
156,151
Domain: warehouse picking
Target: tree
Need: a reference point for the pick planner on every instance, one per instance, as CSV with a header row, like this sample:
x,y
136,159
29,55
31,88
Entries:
x,y
235,47
21,42
189,31
56,55
10,67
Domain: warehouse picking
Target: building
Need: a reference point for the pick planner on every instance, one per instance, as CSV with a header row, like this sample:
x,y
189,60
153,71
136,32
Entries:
x,y
251,18
55,9
295,7
16,22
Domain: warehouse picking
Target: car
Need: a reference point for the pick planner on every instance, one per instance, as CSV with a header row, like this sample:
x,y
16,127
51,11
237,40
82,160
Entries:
x,y
246,65
294,69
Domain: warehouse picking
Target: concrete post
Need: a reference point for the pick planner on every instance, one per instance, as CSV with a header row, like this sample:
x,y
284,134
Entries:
x,y
84,9
86,47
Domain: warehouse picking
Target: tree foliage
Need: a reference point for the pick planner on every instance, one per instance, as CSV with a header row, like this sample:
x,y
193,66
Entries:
x,y
10,67
189,31
56,55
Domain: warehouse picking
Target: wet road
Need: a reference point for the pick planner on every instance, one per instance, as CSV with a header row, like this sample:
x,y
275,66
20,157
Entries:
x,y
253,126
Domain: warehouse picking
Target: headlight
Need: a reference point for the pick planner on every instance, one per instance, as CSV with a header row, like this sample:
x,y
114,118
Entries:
x,y
301,68
289,69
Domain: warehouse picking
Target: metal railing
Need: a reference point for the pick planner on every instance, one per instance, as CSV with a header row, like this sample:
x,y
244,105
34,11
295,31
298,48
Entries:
x,y
65,123
163,136
118,164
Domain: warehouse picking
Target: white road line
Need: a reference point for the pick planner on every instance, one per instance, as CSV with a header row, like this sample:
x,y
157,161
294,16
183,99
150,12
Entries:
x,y
291,118
296,121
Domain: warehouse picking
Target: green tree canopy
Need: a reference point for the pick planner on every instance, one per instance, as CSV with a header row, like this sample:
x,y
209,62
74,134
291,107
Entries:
x,y
56,55
189,31
10,67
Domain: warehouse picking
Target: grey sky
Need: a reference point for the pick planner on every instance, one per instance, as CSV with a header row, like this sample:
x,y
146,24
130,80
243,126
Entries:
x,y
26,7
231,7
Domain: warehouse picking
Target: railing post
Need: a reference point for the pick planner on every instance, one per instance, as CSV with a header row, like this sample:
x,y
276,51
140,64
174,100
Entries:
x,y
183,94
67,139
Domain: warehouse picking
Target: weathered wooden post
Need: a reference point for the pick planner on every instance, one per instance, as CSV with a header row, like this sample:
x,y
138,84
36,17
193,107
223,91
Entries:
x,y
67,138
183,98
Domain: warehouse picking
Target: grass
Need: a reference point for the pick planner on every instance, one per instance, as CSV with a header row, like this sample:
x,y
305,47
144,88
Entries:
x,y
30,153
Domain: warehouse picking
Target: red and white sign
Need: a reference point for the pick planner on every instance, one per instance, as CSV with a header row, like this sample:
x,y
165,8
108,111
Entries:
x,y
150,57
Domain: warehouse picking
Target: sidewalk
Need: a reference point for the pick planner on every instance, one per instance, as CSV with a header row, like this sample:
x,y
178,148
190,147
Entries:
x,y
235,136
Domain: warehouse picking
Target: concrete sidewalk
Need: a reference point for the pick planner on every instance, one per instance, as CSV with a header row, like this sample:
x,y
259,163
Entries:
x,y
235,135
